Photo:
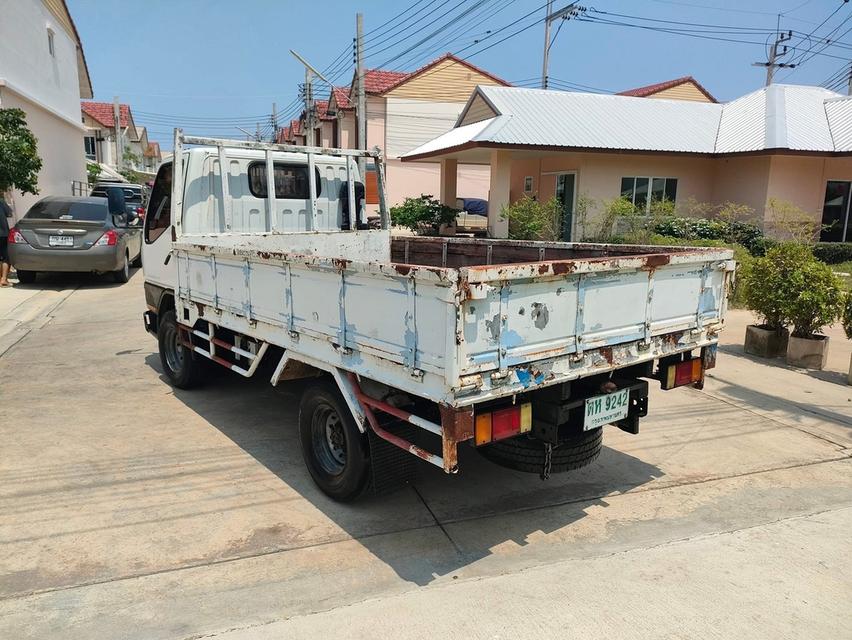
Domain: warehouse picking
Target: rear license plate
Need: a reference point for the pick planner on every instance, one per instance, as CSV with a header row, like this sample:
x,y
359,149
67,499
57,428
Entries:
x,y
60,241
606,409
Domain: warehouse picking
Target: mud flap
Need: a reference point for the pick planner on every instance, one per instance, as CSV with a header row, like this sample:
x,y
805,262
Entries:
x,y
392,467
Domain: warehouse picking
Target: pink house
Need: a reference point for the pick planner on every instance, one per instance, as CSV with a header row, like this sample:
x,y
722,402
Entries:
x,y
404,110
786,142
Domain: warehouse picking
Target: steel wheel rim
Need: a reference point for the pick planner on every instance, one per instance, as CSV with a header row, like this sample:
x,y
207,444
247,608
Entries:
x,y
329,439
173,349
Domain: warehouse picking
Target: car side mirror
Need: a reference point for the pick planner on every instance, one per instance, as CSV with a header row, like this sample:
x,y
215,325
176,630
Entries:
x,y
116,201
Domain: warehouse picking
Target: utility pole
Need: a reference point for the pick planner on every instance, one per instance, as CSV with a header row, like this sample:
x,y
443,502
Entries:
x,y
545,59
361,106
774,55
565,13
274,123
310,72
116,116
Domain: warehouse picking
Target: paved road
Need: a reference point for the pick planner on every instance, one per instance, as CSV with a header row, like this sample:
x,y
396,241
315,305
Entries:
x,y
130,510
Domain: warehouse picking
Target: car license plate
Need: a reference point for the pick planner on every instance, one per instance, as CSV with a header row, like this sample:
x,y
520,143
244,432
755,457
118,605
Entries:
x,y
606,409
60,241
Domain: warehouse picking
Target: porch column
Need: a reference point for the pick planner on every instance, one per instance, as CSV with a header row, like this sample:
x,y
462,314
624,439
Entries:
x,y
498,195
449,181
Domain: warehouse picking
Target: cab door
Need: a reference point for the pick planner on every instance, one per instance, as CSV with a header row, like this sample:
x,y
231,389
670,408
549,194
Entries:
x,y
157,264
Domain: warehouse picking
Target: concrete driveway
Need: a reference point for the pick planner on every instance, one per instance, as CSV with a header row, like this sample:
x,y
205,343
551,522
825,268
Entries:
x,y
131,510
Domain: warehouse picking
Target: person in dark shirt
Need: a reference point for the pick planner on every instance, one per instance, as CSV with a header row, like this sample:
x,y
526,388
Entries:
x,y
5,214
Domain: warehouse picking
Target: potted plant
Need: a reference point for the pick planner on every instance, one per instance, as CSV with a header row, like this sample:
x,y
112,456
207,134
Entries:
x,y
763,280
813,298
847,326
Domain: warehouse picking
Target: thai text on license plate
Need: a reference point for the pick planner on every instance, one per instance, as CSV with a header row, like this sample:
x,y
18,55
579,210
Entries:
x,y
606,409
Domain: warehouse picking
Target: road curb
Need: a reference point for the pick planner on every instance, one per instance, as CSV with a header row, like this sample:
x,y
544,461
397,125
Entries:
x,y
33,313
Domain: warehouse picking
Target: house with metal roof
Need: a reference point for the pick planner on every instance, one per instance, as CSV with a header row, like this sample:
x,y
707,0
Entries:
x,y
787,142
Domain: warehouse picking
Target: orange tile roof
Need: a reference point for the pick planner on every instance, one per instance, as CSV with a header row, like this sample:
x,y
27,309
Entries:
x,y
651,89
103,113
341,97
153,150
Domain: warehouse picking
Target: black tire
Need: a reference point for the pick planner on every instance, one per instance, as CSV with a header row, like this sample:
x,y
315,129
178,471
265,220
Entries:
x,y
123,275
523,453
335,452
26,277
137,261
180,365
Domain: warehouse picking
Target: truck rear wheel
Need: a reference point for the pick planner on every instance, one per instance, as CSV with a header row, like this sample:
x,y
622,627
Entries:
x,y
523,453
179,364
335,451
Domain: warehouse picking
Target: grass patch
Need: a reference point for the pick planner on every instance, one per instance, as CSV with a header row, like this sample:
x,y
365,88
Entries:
x,y
844,268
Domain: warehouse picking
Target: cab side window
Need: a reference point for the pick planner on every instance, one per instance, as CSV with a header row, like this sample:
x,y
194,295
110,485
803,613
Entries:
x,y
159,215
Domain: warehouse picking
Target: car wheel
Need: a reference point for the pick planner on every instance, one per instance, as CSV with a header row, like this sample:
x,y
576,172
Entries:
x,y
123,274
335,451
137,261
180,365
26,277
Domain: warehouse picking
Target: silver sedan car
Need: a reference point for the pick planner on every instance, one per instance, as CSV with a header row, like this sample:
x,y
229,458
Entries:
x,y
75,234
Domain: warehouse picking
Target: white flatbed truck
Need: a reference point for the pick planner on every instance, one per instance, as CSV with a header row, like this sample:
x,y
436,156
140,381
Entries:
x,y
524,350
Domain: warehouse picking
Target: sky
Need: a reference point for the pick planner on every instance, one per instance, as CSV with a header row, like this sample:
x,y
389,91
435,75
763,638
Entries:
x,y
211,66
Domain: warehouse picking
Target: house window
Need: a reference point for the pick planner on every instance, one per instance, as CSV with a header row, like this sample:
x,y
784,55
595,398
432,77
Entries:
x,y
51,45
528,184
318,137
291,180
642,191
89,145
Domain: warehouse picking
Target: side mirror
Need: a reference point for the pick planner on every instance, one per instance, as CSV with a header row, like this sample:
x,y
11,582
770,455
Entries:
x,y
116,201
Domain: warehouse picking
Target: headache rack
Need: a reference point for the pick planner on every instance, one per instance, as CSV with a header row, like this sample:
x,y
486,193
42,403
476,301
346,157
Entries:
x,y
223,144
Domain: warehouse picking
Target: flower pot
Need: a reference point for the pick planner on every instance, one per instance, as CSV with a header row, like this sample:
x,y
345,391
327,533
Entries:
x,y
767,343
809,353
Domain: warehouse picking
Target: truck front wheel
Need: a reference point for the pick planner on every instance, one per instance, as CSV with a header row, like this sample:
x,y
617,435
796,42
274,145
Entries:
x,y
180,366
335,451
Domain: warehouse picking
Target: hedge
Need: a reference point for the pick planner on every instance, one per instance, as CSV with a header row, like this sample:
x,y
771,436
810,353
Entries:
x,y
833,252
734,232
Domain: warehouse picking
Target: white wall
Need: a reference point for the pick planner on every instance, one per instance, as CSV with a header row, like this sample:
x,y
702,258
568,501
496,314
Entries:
x,y
26,63
47,88
60,146
410,123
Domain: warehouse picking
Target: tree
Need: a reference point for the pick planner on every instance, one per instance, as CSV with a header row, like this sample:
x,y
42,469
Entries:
x,y
19,159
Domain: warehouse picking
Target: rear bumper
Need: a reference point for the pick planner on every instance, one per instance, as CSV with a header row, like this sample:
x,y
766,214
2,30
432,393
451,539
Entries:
x,y
27,258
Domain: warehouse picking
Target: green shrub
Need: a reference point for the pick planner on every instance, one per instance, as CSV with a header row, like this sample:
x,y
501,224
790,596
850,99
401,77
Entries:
x,y
531,219
847,314
762,245
730,231
812,296
422,215
766,279
833,252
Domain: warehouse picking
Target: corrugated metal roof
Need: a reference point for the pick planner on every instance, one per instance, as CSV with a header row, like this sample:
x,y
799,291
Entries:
x,y
839,113
795,117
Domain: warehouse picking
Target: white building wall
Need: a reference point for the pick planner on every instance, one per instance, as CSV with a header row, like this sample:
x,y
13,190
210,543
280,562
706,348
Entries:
x,y
47,88
25,60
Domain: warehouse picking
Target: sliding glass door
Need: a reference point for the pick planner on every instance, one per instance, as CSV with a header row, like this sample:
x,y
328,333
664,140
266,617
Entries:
x,y
835,212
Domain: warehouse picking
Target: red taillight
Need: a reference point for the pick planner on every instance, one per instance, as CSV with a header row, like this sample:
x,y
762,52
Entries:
x,y
503,423
16,237
683,373
108,239
140,211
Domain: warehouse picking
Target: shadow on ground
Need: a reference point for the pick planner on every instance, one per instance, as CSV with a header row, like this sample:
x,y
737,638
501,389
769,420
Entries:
x,y
480,490
58,280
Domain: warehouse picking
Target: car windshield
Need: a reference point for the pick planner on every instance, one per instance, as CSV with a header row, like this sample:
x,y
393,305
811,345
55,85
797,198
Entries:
x,y
134,195
67,210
